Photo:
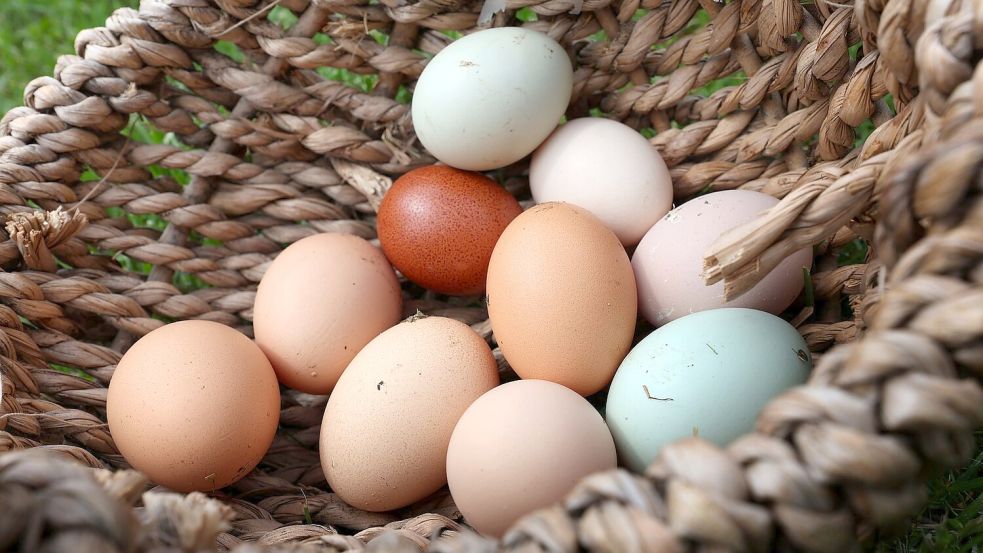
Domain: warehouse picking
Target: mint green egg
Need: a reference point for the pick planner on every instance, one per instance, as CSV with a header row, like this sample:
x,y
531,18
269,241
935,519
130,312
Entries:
x,y
708,374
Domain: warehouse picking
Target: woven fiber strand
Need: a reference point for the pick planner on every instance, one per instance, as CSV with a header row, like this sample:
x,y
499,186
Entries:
x,y
274,152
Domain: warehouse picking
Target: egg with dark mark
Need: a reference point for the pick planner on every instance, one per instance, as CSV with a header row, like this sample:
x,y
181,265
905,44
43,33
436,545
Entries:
x,y
320,301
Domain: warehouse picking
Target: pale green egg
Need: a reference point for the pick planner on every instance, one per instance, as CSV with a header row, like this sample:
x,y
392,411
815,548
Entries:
x,y
708,373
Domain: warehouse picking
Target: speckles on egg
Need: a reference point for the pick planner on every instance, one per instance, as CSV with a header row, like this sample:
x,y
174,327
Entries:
x,y
387,424
713,370
344,291
438,226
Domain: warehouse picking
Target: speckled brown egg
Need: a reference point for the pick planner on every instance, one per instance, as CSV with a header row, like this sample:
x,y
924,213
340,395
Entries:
x,y
438,225
321,300
387,424
194,405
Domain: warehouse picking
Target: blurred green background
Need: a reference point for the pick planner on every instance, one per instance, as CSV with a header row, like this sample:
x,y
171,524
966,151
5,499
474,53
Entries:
x,y
34,32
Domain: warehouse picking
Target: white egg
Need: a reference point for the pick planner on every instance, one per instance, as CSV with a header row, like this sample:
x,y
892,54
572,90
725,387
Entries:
x,y
708,373
490,98
607,168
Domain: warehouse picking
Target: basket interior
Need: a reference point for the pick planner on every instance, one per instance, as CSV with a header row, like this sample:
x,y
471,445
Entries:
x,y
159,172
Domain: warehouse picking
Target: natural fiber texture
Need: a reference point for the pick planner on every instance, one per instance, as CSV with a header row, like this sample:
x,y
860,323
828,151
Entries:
x,y
274,152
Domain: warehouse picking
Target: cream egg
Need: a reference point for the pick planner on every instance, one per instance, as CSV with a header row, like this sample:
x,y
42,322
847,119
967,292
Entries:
x,y
607,168
490,98
668,262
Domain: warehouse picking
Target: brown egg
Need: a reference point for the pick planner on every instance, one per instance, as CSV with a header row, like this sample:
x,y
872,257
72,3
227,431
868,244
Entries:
x,y
388,422
561,297
319,303
520,447
438,226
194,405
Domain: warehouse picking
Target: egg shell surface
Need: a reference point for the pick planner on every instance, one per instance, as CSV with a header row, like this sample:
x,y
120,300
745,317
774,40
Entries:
x,y
708,373
520,447
490,98
438,225
668,262
320,301
561,297
607,168
389,420
194,405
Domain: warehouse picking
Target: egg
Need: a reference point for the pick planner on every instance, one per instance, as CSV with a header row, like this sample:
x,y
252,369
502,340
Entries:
x,y
708,374
438,226
320,301
488,99
561,297
388,422
520,447
194,405
668,262
607,168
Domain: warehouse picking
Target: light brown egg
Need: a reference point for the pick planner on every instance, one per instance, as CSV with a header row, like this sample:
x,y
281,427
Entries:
x,y
194,405
319,303
388,421
520,447
561,297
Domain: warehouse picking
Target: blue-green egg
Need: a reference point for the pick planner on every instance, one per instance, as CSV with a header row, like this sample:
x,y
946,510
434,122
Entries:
x,y
707,374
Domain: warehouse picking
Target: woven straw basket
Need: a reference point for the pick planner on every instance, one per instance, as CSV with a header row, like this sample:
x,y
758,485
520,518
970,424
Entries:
x,y
275,152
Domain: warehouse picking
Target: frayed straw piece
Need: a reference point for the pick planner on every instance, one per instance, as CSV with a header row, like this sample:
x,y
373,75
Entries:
x,y
807,215
126,485
373,185
489,9
191,522
35,233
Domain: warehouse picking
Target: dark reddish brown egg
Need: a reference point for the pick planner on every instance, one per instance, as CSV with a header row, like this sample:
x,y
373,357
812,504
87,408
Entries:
x,y
438,226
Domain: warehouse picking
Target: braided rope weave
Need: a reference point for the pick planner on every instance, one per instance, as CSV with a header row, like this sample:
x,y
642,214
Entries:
x,y
273,152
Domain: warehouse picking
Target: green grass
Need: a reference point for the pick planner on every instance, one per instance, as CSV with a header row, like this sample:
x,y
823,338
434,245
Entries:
x,y
34,32
953,520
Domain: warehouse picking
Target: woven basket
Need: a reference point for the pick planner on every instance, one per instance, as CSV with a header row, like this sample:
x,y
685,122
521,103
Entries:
x,y
275,152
